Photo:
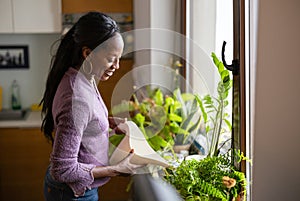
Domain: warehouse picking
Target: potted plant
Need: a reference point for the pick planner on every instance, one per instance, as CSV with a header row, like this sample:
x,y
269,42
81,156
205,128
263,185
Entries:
x,y
165,120
215,177
213,110
210,179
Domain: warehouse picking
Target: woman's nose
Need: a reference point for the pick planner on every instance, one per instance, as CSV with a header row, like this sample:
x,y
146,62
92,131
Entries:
x,y
116,65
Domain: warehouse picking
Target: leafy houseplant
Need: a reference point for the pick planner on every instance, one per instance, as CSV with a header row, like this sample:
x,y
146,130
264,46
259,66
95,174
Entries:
x,y
213,109
210,179
215,177
165,120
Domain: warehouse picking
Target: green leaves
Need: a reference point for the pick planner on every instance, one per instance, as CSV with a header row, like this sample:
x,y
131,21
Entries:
x,y
174,117
115,141
225,83
164,119
213,109
203,180
123,107
158,97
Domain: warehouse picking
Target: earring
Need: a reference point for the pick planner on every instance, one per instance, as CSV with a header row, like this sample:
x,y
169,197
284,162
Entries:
x,y
84,67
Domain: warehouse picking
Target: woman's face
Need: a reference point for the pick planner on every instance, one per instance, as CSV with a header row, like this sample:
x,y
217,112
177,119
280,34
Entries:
x,y
106,58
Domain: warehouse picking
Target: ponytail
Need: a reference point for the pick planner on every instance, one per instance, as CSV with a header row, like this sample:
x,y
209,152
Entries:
x,y
60,63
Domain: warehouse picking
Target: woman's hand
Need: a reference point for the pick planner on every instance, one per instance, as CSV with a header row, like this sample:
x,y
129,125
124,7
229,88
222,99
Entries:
x,y
114,123
125,166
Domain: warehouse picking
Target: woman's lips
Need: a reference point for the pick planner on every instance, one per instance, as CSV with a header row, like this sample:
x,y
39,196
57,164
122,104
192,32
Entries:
x,y
109,73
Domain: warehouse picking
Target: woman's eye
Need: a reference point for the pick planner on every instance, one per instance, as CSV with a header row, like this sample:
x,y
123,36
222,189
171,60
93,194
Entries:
x,y
110,60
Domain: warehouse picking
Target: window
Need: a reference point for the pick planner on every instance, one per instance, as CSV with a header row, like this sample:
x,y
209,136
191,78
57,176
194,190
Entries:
x,y
208,24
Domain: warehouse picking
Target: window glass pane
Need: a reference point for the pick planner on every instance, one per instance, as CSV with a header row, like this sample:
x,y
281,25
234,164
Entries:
x,y
209,23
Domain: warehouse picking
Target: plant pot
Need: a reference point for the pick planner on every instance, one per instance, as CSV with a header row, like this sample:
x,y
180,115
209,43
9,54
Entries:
x,y
179,148
240,197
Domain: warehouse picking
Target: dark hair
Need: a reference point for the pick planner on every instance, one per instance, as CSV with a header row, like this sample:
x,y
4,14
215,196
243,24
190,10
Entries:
x,y
90,30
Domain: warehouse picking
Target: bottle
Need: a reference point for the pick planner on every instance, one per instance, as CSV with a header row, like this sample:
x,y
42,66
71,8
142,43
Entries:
x,y
15,96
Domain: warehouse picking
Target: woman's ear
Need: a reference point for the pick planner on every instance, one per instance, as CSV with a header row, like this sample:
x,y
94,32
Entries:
x,y
85,52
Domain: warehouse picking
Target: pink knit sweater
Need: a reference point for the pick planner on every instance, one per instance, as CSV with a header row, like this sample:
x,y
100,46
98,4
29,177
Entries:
x,y
81,133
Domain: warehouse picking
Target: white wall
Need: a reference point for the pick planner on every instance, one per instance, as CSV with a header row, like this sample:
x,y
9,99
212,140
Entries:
x,y
32,80
203,35
163,17
276,147
155,29
142,20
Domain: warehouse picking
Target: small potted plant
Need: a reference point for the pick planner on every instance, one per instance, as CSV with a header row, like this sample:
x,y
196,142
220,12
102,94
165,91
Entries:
x,y
167,121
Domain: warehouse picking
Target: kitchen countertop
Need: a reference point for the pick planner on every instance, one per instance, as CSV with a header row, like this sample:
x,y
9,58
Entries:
x,y
33,120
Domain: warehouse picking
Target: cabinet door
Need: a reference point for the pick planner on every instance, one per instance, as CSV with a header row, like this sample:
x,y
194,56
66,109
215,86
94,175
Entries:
x,y
111,6
107,88
24,159
6,20
37,16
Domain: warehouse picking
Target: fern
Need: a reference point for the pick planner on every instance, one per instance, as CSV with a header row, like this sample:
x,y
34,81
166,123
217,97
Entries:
x,y
203,180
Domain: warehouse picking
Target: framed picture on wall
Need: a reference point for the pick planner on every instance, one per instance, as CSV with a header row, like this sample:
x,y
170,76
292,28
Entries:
x,y
14,56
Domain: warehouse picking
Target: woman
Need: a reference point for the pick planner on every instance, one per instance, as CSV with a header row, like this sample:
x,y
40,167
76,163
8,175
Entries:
x,y
75,117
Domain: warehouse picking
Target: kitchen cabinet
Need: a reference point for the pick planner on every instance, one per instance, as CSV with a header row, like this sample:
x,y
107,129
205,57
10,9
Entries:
x,y
30,16
24,159
116,190
112,6
6,19
107,87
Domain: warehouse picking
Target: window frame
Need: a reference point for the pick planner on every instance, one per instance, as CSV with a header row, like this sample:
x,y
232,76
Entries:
x,y
239,99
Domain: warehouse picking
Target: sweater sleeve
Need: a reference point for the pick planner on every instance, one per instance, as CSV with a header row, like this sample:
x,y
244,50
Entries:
x,y
71,120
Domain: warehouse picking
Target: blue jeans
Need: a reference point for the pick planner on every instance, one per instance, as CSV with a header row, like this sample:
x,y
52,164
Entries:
x,y
56,191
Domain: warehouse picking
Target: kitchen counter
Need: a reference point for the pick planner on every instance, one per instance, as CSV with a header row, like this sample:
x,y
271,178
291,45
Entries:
x,y
32,120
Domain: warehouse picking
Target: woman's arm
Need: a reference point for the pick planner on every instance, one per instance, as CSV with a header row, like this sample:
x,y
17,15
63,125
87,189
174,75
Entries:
x,y
124,167
106,171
